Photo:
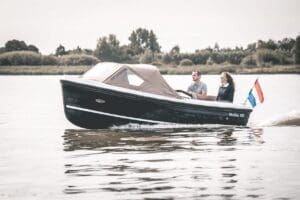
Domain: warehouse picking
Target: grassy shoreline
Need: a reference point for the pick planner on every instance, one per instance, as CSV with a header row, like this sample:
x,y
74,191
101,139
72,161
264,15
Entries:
x,y
43,70
205,69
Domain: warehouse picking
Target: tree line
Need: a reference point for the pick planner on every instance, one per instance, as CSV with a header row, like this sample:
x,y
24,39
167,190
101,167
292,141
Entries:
x,y
143,47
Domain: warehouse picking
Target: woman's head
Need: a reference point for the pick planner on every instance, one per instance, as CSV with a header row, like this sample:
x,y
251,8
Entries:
x,y
227,78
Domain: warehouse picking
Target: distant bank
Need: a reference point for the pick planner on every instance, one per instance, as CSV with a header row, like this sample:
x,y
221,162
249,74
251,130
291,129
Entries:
x,y
165,69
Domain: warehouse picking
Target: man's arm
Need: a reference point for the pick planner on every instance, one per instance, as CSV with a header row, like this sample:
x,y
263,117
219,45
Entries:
x,y
203,93
190,91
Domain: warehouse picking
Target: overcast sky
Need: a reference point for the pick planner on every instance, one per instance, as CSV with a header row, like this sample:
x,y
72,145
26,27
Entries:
x,y
192,24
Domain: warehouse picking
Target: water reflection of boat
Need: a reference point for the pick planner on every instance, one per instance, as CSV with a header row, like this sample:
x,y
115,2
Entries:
x,y
104,139
140,162
116,94
158,139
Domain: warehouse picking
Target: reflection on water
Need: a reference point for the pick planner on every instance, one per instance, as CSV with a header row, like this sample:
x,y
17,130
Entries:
x,y
161,163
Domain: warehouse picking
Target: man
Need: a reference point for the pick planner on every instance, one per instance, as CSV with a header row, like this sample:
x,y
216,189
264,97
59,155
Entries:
x,y
197,89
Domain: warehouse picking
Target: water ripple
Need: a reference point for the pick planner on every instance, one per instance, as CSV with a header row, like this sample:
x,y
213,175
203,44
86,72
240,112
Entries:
x,y
157,162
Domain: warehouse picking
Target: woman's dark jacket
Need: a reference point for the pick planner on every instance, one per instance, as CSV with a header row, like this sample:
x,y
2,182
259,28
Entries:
x,y
225,93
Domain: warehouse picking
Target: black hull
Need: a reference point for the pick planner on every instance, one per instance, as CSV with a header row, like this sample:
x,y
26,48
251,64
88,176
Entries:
x,y
93,107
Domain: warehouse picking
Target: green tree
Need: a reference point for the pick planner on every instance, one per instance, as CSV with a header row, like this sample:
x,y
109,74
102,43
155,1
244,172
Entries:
x,y
32,48
175,50
251,47
2,49
270,44
286,44
209,49
60,50
152,43
138,40
135,45
78,50
15,45
88,51
142,36
167,58
108,49
142,39
297,50
18,45
216,47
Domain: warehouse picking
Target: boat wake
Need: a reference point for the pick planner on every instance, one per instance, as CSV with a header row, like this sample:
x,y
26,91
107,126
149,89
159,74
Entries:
x,y
288,119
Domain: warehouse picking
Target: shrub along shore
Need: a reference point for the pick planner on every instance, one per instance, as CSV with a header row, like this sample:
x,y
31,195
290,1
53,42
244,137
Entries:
x,y
282,56
164,69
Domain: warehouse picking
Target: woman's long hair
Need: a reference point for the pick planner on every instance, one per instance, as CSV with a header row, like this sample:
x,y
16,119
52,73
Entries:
x,y
229,79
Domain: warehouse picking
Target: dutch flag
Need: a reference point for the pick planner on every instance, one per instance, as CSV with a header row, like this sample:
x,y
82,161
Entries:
x,y
256,94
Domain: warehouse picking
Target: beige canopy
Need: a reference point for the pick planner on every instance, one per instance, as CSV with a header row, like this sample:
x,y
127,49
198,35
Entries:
x,y
139,77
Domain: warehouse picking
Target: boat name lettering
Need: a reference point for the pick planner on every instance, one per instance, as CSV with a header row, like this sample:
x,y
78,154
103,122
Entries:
x,y
236,115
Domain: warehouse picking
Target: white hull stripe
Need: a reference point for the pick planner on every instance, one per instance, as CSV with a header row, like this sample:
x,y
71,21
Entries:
x,y
115,115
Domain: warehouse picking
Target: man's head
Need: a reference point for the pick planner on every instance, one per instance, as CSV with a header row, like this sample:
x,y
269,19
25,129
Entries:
x,y
196,75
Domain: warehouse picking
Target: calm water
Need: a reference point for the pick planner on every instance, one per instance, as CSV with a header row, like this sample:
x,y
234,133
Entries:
x,y
43,156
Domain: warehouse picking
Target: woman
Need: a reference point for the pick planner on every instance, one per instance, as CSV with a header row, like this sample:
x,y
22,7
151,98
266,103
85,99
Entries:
x,y
226,90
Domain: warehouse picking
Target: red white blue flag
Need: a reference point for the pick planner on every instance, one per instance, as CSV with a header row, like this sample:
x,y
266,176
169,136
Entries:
x,y
256,94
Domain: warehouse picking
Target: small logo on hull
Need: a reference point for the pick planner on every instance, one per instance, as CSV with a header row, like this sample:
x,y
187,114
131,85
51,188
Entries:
x,y
100,100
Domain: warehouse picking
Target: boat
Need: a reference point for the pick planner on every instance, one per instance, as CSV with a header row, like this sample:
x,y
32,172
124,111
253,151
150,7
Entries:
x,y
114,94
